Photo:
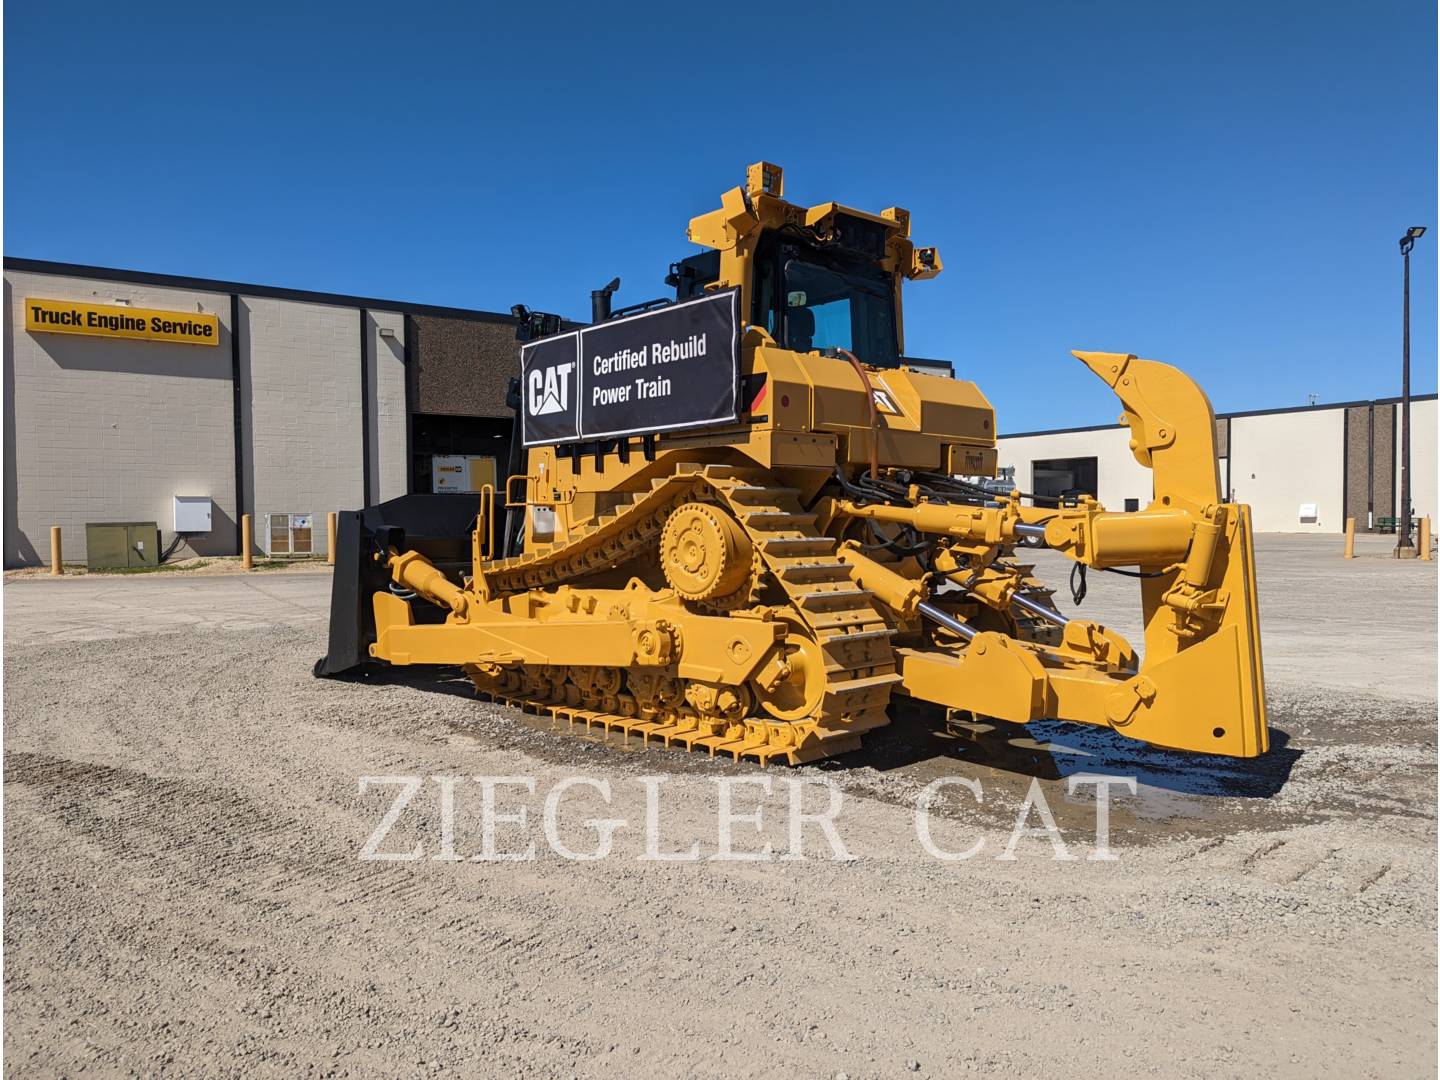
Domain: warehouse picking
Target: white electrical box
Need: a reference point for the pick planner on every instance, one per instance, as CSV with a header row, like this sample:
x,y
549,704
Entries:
x,y
192,513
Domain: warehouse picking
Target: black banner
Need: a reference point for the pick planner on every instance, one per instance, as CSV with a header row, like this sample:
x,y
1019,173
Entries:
x,y
550,389
663,370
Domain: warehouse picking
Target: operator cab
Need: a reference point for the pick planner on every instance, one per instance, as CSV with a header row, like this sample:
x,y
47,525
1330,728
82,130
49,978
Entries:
x,y
810,297
813,301
821,279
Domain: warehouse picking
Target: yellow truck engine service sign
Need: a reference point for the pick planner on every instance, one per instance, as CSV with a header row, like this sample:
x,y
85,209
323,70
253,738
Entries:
x,y
115,320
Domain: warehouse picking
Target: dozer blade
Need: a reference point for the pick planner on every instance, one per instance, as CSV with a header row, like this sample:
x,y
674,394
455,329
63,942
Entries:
x,y
436,525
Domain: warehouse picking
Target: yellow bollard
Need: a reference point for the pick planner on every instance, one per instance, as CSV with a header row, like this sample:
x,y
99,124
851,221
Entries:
x,y
330,539
247,562
1349,538
55,568
1425,538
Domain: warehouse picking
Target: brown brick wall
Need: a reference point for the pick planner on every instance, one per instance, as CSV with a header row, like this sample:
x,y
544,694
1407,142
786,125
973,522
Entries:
x,y
461,367
1357,456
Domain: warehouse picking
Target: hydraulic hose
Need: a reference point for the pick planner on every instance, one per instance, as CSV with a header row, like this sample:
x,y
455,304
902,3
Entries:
x,y
874,413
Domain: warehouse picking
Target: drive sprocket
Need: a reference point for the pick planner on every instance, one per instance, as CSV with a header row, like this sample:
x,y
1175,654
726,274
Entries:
x,y
705,553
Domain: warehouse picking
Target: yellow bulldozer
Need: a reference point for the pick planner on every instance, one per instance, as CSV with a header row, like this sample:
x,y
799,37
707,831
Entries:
x,y
741,521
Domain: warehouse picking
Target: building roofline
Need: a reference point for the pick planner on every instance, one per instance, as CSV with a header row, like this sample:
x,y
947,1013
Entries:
x,y
1226,415
277,292
1333,405
274,292
1056,431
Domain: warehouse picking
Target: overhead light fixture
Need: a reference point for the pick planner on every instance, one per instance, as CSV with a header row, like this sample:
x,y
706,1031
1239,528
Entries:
x,y
1416,231
387,331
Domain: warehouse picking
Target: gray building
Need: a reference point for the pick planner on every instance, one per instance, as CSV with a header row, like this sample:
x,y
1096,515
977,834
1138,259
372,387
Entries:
x,y
136,397
125,390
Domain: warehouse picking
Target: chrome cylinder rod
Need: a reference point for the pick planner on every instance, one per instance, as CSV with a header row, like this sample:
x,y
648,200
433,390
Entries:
x,y
1035,532
1039,610
934,614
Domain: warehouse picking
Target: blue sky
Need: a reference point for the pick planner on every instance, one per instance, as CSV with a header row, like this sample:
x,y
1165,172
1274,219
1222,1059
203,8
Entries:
x,y
1221,186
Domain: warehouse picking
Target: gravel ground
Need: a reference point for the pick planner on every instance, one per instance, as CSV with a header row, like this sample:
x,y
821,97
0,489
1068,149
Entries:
x,y
184,893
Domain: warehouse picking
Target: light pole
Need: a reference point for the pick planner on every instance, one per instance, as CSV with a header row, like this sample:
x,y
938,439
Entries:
x,y
1403,543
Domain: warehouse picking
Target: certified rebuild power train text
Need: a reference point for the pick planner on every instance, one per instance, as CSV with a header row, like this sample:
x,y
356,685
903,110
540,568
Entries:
x,y
740,522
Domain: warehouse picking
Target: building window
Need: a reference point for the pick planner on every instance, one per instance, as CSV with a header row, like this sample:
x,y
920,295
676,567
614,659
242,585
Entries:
x,y
1065,478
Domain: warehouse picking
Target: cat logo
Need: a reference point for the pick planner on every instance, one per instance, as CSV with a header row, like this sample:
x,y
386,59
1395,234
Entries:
x,y
549,389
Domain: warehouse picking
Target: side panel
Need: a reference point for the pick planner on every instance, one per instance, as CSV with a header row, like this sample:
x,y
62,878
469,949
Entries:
x,y
1422,460
1284,461
305,433
390,455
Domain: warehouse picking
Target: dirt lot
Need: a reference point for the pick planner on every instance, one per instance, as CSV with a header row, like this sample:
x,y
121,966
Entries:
x,y
184,890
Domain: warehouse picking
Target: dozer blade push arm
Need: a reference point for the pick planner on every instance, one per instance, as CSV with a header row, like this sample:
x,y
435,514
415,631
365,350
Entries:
x,y
1201,686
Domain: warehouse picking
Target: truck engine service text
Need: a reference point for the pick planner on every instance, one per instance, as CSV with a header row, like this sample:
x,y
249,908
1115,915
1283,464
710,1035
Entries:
x,y
97,320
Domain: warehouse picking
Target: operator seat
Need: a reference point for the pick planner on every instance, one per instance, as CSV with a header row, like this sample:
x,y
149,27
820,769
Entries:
x,y
799,329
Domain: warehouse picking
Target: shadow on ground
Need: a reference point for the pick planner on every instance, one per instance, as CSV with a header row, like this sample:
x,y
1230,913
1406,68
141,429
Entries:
x,y
1056,749
1047,749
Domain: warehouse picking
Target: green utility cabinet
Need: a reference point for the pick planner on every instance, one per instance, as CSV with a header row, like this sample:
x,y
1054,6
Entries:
x,y
113,544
